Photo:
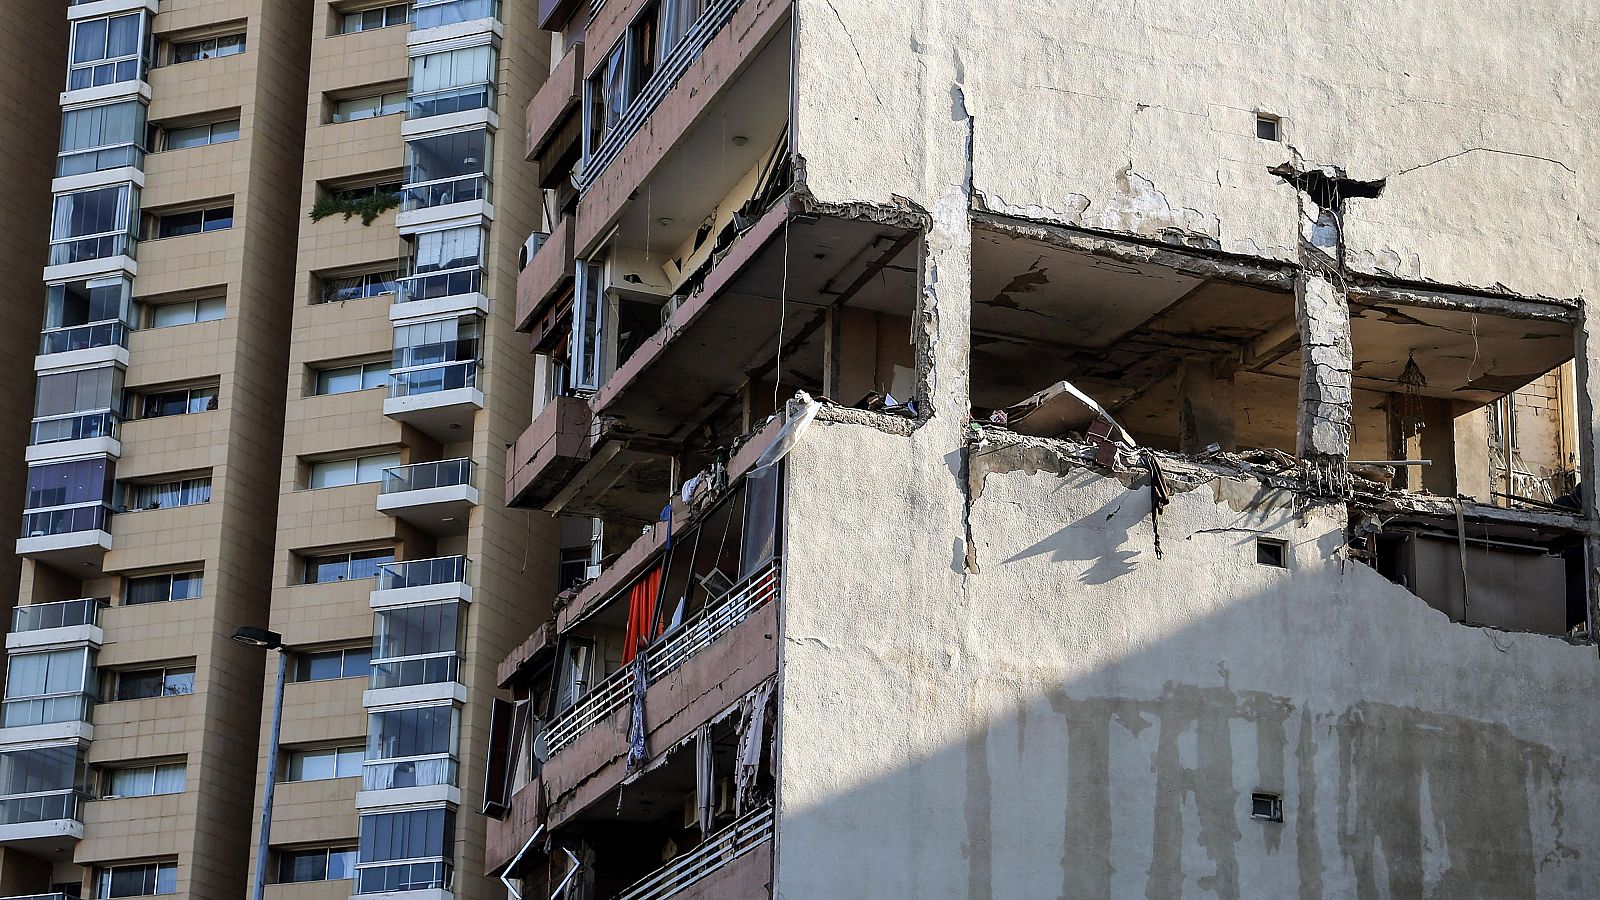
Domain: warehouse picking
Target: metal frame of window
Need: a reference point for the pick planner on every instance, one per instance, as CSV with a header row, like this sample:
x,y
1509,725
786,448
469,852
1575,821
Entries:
x,y
235,47
119,240
140,55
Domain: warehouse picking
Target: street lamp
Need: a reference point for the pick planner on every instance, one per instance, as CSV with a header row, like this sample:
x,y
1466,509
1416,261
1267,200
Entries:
x,y
267,640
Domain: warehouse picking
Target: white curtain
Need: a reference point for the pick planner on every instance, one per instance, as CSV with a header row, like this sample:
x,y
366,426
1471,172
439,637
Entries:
x,y
436,250
453,68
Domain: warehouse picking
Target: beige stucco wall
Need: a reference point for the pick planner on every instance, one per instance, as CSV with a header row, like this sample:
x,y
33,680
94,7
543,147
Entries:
x,y
1080,718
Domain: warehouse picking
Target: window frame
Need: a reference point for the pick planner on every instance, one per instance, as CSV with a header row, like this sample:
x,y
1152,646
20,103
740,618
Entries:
x,y
362,371
162,873
167,673
309,561
107,774
212,135
384,9
201,308
194,577
238,43
355,752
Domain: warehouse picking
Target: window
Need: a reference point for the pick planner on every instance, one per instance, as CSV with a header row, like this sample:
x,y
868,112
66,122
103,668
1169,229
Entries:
x,y
142,684
371,19
338,288
437,13
677,17
1269,127
143,781
76,405
106,51
37,783
186,312
1266,807
573,567
344,379
96,138
207,48
79,315
607,98
321,864
1272,552
452,81
93,224
200,135
170,494
162,588
447,168
588,327
384,103
342,472
45,674
345,566
327,665
68,496
324,763
194,221
416,644
178,402
435,356
642,49
412,731
445,263
389,843
147,880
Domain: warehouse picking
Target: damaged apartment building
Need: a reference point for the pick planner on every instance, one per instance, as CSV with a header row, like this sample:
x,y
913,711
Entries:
x,y
1029,450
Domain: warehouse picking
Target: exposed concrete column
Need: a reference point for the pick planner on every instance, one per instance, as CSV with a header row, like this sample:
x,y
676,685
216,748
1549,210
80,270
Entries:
x,y
1205,415
1326,361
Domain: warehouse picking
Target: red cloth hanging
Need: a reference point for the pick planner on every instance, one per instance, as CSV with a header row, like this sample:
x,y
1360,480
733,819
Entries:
x,y
642,624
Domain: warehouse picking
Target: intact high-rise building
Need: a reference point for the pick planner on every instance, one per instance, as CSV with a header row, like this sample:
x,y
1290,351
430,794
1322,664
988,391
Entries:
x,y
275,372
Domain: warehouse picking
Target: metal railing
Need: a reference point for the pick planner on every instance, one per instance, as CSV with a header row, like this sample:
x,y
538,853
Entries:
x,y
450,100
443,191
420,771
23,809
83,337
62,614
440,284
65,520
46,710
405,671
407,876
40,897
746,834
693,43
434,13
676,648
423,476
432,379
421,572
75,427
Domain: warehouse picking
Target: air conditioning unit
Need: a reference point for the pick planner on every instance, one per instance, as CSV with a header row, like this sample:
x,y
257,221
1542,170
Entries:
x,y
671,306
592,572
530,247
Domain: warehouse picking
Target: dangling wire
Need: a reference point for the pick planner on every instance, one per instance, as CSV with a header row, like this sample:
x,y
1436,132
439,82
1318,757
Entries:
x,y
783,313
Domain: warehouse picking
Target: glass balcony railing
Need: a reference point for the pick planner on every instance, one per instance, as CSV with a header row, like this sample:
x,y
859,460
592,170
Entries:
x,y
83,337
422,771
67,520
422,476
432,379
47,710
421,572
408,876
434,13
438,668
451,100
53,806
102,424
444,191
82,162
86,249
65,614
440,284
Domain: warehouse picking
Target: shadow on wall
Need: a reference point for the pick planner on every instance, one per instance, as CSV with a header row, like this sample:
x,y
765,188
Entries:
x,y
1116,756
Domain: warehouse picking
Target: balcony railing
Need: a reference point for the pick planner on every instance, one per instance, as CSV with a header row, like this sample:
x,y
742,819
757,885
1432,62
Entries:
x,y
451,100
83,337
406,876
421,572
423,476
25,809
432,379
422,771
444,191
64,614
76,427
675,648
440,284
748,833
406,671
434,13
46,710
99,159
40,896
65,520
103,246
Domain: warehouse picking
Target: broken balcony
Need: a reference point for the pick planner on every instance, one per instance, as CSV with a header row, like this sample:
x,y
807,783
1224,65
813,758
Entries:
x,y
1460,411
549,452
695,822
437,497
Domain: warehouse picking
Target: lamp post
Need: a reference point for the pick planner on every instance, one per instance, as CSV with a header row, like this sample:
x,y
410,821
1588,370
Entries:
x,y
267,640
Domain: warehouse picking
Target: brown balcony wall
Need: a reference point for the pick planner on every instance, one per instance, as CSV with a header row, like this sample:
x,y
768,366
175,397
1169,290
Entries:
x,y
557,99
550,269
709,682
553,447
506,837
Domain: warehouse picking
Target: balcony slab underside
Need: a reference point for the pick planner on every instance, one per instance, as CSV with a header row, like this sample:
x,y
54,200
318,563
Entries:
x,y
554,447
